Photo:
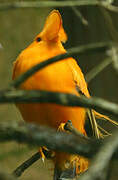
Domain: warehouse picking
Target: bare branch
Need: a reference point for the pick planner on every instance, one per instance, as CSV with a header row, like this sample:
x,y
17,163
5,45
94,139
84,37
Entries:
x,y
20,169
25,165
65,99
32,4
109,23
48,154
89,48
102,159
39,4
53,140
80,16
110,7
98,68
69,127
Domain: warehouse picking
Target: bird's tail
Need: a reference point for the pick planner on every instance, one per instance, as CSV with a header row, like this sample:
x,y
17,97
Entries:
x,y
98,131
72,166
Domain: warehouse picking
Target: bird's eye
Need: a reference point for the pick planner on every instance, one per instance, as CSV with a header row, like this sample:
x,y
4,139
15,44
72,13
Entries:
x,y
38,39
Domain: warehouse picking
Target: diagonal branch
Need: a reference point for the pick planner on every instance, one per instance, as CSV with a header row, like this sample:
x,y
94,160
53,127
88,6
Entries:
x,y
98,68
35,157
80,16
102,159
20,169
89,48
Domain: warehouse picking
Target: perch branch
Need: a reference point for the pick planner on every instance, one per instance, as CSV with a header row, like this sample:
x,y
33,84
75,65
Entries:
x,y
48,154
53,140
90,48
69,127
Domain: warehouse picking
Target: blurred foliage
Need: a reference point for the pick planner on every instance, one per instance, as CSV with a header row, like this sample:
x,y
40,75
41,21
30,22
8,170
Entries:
x,y
18,27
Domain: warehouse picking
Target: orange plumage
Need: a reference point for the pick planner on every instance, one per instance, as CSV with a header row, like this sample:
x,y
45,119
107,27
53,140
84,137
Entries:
x,y
60,77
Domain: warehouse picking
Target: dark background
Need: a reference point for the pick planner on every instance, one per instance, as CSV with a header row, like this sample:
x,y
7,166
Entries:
x,y
18,27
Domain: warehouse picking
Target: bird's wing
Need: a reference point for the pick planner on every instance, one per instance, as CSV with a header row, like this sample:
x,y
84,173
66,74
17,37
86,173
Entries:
x,y
78,77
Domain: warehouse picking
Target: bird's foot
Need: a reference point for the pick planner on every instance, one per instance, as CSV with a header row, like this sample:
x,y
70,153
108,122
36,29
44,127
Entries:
x,y
81,165
61,127
42,153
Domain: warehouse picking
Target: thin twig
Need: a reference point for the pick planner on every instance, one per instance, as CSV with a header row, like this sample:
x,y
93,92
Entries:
x,y
109,23
32,4
91,116
94,124
80,16
69,127
89,48
114,35
97,69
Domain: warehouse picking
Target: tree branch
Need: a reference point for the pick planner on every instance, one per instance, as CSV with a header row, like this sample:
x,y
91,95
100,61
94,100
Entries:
x,y
57,141
69,127
25,165
53,140
97,69
80,16
89,48
48,154
20,169
102,159
31,4
65,99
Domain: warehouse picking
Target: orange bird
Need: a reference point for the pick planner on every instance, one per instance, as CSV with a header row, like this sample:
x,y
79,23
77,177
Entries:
x,y
61,76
